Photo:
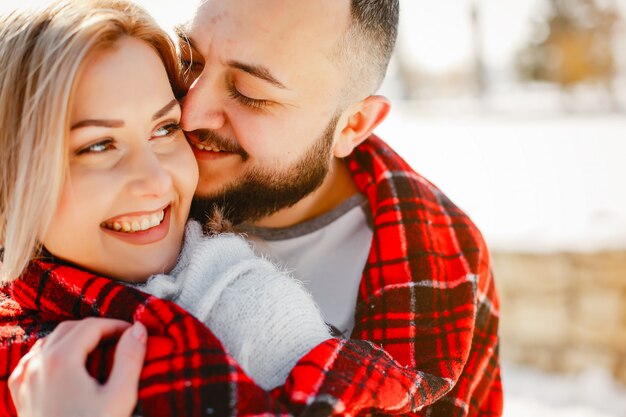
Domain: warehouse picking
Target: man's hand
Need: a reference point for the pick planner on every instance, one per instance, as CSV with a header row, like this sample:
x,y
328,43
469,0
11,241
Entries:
x,y
51,380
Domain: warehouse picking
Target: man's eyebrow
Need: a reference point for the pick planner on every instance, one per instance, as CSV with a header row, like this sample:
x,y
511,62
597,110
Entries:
x,y
166,109
257,71
120,123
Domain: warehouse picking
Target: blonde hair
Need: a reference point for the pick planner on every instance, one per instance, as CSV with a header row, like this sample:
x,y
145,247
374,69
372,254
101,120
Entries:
x,y
42,53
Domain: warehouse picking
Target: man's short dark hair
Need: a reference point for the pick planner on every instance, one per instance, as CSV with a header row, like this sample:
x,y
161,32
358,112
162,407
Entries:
x,y
366,47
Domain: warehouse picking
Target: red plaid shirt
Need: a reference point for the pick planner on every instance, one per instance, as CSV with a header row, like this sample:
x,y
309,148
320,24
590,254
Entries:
x,y
425,340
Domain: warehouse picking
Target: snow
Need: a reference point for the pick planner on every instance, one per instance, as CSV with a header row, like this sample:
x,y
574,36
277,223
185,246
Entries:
x,y
532,393
533,180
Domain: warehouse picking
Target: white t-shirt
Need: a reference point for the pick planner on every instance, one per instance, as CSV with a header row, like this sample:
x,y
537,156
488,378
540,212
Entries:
x,y
327,253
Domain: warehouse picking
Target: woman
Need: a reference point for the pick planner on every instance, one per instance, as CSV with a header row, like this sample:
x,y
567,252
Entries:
x,y
90,129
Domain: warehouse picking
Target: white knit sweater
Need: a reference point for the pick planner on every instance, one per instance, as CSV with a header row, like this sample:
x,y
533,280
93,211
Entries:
x,y
264,318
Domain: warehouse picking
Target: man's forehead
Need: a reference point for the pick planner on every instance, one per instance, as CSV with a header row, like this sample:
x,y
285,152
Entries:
x,y
286,39
320,23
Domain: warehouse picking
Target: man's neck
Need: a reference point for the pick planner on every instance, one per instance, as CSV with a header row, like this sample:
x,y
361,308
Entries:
x,y
336,188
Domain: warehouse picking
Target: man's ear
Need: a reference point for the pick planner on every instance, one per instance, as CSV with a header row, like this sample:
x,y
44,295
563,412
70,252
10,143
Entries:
x,y
358,122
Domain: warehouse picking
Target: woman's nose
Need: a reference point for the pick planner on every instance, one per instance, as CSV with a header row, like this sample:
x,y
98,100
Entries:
x,y
149,176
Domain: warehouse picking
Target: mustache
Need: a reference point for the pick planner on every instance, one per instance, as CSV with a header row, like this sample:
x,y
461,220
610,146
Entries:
x,y
222,142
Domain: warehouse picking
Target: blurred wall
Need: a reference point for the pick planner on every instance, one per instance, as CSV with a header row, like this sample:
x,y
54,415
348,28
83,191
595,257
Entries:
x,y
564,312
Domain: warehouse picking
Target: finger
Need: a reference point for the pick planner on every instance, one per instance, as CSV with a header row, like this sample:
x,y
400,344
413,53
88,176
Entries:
x,y
60,331
123,383
15,382
20,370
34,351
16,379
84,336
39,344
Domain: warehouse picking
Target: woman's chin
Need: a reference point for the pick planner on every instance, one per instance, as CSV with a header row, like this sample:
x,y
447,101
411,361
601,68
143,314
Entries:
x,y
139,272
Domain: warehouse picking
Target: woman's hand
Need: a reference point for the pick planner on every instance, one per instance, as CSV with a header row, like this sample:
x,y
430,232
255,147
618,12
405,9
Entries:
x,y
51,380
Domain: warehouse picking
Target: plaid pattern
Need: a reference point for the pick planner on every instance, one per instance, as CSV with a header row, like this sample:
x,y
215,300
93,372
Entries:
x,y
427,302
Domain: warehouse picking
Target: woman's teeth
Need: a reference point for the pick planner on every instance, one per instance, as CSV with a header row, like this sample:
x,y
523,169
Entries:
x,y
135,224
206,147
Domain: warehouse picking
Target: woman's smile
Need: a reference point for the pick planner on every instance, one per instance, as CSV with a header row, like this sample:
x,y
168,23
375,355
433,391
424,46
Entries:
x,y
140,230
135,222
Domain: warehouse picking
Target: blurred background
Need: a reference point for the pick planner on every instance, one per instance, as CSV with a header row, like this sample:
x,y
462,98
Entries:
x,y
516,110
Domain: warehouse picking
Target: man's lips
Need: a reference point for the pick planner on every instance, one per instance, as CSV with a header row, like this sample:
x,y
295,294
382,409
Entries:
x,y
208,152
207,142
206,147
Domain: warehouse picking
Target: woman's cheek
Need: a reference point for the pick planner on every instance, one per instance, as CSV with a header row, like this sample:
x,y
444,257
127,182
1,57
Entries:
x,y
185,171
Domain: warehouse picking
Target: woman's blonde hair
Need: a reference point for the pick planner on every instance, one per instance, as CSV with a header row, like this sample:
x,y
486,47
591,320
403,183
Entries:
x,y
42,53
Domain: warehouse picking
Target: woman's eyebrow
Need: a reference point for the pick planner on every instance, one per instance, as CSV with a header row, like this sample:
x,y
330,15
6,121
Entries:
x,y
120,123
98,123
166,109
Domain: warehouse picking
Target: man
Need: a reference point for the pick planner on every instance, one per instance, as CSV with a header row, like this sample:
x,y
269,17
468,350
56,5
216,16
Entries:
x,y
270,116
280,111
282,95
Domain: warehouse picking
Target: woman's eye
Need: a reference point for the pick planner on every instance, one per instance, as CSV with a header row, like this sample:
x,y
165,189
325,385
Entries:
x,y
96,148
167,130
252,103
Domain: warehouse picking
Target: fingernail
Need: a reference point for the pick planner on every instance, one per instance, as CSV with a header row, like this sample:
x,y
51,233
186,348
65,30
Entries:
x,y
139,332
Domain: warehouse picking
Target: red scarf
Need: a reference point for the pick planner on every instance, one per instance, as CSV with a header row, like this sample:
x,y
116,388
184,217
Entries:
x,y
425,336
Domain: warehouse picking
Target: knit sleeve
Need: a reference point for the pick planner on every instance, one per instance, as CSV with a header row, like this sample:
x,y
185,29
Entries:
x,y
264,318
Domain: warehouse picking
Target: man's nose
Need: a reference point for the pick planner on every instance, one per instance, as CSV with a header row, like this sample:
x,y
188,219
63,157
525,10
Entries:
x,y
202,107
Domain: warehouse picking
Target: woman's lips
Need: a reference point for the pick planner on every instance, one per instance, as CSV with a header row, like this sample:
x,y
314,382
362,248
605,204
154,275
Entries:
x,y
137,236
135,222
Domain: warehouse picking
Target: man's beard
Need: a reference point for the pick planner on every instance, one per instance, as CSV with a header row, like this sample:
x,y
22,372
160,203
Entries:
x,y
263,191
